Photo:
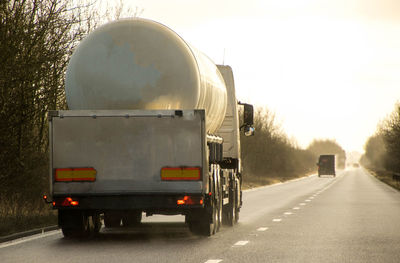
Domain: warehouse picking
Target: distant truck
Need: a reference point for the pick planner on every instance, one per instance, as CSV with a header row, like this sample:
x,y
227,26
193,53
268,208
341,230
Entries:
x,y
152,126
326,165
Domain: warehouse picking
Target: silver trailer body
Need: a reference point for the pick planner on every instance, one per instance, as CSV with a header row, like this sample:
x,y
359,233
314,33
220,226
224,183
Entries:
x,y
128,149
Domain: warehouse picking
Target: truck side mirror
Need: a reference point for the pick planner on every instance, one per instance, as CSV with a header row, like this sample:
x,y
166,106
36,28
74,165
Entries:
x,y
248,116
248,119
248,131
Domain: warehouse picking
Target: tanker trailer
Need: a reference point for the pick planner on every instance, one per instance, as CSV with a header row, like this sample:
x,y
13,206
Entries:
x,y
152,127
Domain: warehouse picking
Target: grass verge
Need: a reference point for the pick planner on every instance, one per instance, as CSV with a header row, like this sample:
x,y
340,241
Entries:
x,y
19,214
252,181
12,224
384,176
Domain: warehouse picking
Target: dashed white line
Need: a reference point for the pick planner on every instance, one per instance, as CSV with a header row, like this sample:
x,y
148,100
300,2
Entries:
x,y
213,261
308,200
288,213
296,208
276,220
241,243
261,229
311,197
302,204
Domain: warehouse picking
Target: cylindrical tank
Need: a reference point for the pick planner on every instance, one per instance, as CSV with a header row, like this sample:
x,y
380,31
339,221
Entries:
x,y
142,64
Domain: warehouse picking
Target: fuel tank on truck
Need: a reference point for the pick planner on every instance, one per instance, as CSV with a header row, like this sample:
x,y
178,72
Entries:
x,y
142,64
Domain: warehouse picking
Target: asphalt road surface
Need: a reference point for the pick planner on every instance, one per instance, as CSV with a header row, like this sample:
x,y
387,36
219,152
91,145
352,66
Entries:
x,y
350,218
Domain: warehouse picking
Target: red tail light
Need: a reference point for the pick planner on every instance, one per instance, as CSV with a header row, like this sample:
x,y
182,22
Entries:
x,y
67,201
190,200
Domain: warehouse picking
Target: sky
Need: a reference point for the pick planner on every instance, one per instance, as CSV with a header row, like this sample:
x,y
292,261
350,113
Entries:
x,y
328,69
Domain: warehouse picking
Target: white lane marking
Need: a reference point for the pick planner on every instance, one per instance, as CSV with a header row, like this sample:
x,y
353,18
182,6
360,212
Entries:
x,y
241,243
276,220
213,261
288,213
302,204
311,197
296,208
261,229
27,239
308,200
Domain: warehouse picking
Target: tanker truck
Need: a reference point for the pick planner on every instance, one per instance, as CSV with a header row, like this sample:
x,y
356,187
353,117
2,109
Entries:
x,y
152,127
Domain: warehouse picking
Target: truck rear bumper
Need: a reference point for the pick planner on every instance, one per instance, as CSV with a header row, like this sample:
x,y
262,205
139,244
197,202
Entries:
x,y
152,203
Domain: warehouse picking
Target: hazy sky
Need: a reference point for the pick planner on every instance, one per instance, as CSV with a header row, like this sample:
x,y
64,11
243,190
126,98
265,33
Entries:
x,y
327,68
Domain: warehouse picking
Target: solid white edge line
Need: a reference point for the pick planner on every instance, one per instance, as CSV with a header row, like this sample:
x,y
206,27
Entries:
x,y
30,238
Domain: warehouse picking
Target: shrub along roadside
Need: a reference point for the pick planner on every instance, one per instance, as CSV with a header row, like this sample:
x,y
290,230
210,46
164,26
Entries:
x,y
269,156
19,214
382,150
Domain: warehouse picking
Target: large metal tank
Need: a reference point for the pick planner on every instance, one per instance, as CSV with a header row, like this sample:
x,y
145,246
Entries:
x,y
142,64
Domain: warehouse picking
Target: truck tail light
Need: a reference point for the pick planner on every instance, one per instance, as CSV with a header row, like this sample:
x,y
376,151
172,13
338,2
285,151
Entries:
x,y
75,175
67,201
190,200
180,173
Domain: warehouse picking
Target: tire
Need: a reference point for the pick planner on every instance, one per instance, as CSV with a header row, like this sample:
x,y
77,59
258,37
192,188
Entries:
x,y
96,223
112,219
131,218
236,212
70,232
213,225
230,211
237,204
208,225
219,211
204,222
79,225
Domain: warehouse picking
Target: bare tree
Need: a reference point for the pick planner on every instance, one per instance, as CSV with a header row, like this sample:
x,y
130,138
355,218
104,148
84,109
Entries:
x,y
390,130
36,40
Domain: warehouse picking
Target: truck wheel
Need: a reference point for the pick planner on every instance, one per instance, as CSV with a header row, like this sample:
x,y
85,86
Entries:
x,y
131,218
230,210
213,225
96,223
75,224
204,223
236,215
237,204
208,226
112,219
219,211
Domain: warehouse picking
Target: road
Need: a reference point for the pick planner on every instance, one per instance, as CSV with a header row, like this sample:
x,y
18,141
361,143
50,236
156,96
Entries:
x,y
350,218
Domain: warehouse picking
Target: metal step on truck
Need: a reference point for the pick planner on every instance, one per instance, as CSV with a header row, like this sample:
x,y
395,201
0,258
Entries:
x,y
152,127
